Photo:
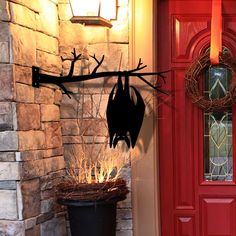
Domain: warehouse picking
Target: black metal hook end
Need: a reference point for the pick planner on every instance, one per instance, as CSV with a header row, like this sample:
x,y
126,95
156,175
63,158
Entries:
x,y
35,76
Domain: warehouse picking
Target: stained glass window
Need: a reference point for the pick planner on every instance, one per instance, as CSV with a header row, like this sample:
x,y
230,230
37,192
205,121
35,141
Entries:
x,y
218,163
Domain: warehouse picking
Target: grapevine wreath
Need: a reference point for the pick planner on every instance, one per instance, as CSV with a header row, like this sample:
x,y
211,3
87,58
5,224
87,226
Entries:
x,y
195,73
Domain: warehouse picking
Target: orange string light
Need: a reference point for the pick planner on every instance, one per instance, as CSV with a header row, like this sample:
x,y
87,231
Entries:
x,y
216,31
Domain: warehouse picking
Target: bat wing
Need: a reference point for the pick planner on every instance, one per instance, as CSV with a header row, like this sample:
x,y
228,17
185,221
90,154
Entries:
x,y
136,116
110,112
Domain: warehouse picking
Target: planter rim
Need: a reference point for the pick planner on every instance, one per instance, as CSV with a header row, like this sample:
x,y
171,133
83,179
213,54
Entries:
x,y
71,202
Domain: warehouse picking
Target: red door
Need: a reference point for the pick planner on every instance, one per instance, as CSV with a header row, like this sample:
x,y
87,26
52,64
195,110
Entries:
x,y
197,155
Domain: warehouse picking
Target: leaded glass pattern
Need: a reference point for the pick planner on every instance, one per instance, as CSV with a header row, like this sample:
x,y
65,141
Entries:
x,y
218,160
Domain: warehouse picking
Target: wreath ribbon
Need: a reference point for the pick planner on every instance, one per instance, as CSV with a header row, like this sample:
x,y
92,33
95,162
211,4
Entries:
x,y
216,31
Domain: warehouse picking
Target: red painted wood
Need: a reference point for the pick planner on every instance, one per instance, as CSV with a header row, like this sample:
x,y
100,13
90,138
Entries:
x,y
189,205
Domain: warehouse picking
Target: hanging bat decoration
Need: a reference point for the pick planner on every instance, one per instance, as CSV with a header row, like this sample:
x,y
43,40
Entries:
x,y
125,108
124,113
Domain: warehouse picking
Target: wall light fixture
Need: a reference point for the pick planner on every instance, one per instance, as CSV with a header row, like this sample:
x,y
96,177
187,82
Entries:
x,y
94,12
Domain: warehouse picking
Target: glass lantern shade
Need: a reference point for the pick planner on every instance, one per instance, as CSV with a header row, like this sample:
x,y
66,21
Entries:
x,y
93,12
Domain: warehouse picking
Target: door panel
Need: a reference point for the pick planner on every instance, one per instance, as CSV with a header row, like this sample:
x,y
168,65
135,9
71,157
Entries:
x,y
221,212
190,206
183,118
185,226
187,29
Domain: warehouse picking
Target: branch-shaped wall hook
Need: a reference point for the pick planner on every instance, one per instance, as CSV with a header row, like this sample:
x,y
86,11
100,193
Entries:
x,y
39,78
120,101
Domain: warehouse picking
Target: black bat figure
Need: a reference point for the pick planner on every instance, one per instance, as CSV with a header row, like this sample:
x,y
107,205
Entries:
x,y
124,113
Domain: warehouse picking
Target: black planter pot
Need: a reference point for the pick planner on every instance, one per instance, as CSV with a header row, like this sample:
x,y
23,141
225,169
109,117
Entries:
x,y
96,218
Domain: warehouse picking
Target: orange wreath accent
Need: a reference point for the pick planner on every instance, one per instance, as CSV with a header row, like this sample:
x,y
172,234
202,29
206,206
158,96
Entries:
x,y
195,73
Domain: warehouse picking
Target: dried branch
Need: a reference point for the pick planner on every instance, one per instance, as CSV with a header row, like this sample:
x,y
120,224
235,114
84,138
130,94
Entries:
x,y
76,58
139,67
98,63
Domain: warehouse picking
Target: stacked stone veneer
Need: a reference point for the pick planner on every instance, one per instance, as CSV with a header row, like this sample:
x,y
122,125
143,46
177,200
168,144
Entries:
x,y
39,126
31,150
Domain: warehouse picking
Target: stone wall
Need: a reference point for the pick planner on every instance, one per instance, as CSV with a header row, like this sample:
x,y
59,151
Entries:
x,y
31,150
37,124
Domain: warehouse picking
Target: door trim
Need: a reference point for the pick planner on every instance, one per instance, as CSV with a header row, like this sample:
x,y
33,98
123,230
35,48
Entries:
x,y
145,174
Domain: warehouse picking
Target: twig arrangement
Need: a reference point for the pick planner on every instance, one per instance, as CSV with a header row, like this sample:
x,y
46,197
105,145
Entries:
x,y
196,72
93,170
92,192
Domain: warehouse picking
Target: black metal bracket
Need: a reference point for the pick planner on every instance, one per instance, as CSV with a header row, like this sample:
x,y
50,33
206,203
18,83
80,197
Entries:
x,y
39,78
